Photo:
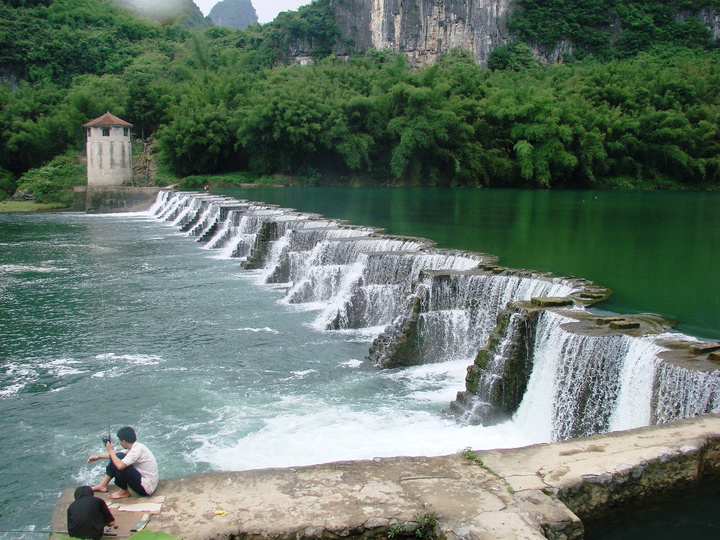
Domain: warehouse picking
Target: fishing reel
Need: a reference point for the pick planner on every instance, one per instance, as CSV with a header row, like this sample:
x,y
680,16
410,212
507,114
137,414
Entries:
x,y
106,439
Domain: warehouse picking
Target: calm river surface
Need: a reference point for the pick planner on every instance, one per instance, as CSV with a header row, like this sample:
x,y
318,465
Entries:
x,y
120,319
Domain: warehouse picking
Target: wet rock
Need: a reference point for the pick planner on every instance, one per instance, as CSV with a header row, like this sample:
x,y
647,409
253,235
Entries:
x,y
704,348
551,302
624,325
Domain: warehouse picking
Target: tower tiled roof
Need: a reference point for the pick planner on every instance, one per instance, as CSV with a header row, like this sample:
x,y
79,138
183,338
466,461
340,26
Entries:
x,y
108,119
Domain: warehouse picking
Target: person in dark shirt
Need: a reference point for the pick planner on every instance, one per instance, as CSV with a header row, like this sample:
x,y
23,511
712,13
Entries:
x,y
88,515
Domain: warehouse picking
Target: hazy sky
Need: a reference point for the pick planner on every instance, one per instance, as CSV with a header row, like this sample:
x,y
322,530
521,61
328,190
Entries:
x,y
266,10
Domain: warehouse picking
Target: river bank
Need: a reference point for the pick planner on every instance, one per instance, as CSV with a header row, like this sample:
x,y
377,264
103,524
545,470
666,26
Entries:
x,y
540,491
11,206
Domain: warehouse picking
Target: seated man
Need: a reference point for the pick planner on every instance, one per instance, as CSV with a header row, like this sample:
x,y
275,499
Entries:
x,y
88,515
136,469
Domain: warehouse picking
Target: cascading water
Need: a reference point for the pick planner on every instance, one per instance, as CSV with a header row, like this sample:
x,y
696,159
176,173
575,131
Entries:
x,y
583,376
377,296
456,312
333,270
584,383
442,305
682,393
289,254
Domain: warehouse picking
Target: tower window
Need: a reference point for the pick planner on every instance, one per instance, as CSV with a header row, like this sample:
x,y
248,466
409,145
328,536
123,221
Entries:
x,y
125,131
88,132
105,132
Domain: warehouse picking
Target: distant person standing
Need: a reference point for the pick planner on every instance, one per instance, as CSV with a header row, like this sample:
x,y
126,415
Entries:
x,y
207,187
135,469
88,515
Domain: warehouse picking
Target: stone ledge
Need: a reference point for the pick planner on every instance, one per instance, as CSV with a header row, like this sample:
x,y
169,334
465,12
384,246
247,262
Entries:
x,y
592,474
533,492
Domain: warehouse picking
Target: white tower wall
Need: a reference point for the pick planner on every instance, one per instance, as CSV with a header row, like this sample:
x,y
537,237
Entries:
x,y
109,156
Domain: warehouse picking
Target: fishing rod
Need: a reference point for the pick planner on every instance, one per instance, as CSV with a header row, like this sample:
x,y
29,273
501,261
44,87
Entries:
x,y
105,374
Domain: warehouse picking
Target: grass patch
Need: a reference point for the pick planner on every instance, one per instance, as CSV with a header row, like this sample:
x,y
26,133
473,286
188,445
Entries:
x,y
470,454
29,206
424,528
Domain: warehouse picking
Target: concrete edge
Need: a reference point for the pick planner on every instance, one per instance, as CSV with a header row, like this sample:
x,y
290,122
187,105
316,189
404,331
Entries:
x,y
592,475
535,492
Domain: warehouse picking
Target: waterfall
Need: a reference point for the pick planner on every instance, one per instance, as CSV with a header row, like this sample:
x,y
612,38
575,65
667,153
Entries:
x,y
290,255
637,380
374,296
583,384
534,350
459,309
682,393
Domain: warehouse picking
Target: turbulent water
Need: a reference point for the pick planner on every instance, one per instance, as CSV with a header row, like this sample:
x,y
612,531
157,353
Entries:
x,y
110,320
151,320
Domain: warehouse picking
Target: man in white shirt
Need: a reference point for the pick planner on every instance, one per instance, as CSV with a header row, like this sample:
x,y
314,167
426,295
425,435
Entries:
x,y
135,469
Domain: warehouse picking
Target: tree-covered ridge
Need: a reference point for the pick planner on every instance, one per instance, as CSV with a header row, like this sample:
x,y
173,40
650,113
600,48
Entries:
x,y
612,28
222,100
58,40
651,121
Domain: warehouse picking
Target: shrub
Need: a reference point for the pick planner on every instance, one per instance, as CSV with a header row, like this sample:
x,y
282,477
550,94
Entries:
x,y
53,183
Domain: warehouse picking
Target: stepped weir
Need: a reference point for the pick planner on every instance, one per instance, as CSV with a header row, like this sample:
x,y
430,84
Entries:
x,y
537,349
630,405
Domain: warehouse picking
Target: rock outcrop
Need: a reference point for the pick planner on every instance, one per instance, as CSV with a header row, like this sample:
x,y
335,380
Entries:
x,y
424,28
234,14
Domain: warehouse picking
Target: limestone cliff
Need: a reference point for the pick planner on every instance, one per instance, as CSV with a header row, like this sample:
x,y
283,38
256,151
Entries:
x,y
424,28
234,14
184,12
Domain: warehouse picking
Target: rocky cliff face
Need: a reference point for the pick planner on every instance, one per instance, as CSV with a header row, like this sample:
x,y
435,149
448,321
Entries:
x,y
711,18
424,28
183,12
234,14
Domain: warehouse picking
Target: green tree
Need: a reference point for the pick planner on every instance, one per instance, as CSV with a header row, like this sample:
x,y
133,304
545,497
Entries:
x,y
199,140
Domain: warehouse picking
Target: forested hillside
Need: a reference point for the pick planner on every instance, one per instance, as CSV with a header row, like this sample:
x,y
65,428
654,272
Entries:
x,y
609,29
218,100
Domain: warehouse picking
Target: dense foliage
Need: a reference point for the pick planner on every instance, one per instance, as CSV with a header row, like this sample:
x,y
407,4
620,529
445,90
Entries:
x,y
612,28
228,101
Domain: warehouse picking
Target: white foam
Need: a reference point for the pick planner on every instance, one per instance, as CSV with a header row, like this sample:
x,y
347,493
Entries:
x,y
352,363
60,371
11,390
25,268
264,329
322,432
137,359
19,376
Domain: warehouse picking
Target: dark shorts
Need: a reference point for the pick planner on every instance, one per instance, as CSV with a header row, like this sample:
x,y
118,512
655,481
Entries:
x,y
129,477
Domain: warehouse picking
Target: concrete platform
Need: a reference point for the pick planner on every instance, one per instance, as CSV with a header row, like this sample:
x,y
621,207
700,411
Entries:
x,y
526,493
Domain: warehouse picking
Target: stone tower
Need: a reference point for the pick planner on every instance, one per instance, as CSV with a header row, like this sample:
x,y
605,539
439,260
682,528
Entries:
x,y
109,152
